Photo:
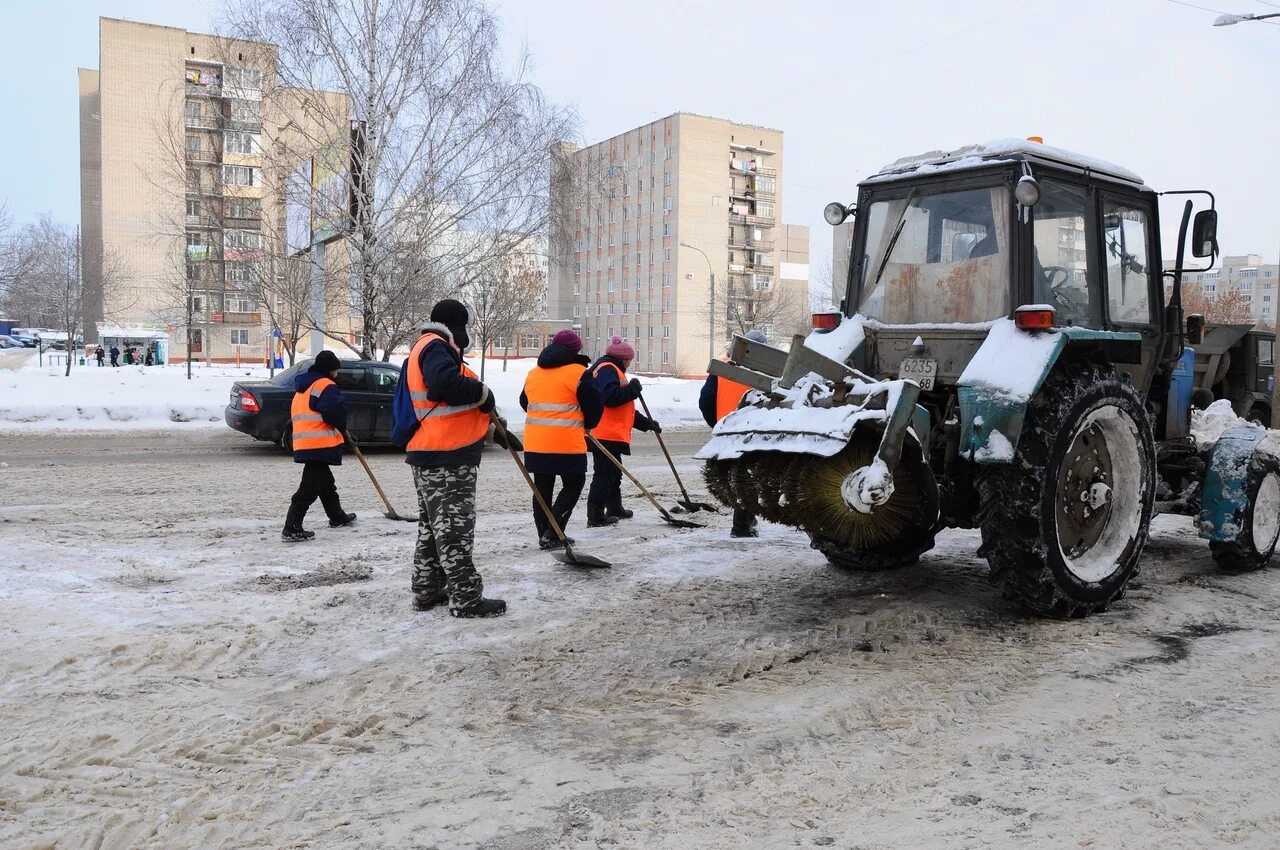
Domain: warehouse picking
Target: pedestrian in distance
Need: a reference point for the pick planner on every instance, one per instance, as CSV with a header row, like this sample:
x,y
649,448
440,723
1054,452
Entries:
x,y
149,361
100,356
115,356
318,418
718,399
562,405
440,416
608,376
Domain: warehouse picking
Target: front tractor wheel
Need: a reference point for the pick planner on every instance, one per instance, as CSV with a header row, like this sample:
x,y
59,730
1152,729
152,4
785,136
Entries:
x,y
1064,524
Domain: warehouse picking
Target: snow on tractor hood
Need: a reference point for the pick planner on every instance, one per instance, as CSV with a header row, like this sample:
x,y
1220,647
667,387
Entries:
x,y
1011,363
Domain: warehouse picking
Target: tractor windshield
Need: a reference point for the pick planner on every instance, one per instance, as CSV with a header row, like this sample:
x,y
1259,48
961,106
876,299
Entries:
x,y
936,258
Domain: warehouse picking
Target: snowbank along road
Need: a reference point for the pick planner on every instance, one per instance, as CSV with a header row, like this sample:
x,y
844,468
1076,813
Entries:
x,y
172,675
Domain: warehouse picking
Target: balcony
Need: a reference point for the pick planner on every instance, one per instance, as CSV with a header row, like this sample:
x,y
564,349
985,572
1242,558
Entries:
x,y
753,220
236,318
742,166
197,90
204,122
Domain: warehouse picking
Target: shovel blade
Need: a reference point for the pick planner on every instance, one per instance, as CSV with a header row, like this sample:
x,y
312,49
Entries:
x,y
394,515
580,559
691,507
682,523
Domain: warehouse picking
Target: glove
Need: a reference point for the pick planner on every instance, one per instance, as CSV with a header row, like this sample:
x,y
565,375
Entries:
x,y
655,427
634,386
487,401
505,438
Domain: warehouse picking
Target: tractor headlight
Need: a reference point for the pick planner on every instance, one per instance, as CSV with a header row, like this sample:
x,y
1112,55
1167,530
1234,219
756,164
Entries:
x,y
1027,191
835,213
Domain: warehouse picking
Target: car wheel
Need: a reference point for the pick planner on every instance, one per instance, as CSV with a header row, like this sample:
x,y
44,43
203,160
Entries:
x,y
286,438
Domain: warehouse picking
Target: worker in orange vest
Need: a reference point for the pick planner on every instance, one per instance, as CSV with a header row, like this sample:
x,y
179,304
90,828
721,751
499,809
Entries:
x,y
440,416
318,417
718,399
561,405
604,500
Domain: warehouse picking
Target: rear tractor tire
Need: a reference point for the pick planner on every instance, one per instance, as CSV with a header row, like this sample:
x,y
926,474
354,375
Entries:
x,y
1064,524
1260,529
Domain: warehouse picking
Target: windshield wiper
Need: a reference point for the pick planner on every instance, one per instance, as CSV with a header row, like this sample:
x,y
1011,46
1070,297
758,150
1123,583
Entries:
x,y
897,231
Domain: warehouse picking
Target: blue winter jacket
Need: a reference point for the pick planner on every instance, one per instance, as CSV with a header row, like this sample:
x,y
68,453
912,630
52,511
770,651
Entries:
x,y
332,408
707,399
441,369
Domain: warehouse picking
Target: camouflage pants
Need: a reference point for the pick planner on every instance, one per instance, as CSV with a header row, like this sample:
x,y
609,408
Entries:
x,y
446,532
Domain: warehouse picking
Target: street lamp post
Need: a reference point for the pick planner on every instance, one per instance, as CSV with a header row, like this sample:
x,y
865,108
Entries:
x,y
1231,20
711,316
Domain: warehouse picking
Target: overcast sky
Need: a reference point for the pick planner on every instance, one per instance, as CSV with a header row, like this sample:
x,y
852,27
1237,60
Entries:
x,y
1149,84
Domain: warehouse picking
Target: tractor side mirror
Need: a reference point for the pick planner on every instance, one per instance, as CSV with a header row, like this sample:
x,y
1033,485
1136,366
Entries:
x,y
1204,234
1195,328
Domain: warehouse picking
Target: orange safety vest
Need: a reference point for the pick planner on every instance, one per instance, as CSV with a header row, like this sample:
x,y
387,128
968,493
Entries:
x,y
554,424
617,422
310,431
441,427
728,395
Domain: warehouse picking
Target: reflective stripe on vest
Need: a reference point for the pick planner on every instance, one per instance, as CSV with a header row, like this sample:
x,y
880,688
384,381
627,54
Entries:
x,y
728,395
555,424
617,422
441,427
310,431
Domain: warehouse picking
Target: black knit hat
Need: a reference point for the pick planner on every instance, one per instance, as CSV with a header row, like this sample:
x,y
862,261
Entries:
x,y
326,361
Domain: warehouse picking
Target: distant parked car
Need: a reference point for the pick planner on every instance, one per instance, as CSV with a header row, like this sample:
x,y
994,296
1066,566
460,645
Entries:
x,y
261,408
23,340
9,342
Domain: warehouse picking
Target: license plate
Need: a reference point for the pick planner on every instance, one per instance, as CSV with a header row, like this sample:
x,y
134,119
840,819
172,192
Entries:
x,y
919,369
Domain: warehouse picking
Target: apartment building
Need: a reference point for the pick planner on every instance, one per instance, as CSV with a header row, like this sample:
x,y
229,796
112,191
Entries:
x,y
1246,274
643,221
176,191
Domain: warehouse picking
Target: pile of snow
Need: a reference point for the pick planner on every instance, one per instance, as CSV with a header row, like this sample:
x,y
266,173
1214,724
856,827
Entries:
x,y
34,398
1010,363
840,343
1208,425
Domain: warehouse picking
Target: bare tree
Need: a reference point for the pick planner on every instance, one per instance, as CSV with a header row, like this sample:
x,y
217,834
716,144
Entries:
x,y
53,285
504,297
742,306
1229,307
444,140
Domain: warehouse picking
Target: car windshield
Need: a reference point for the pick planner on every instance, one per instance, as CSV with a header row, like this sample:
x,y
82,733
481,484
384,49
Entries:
x,y
940,257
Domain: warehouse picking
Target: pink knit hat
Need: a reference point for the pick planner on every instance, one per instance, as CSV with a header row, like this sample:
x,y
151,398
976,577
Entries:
x,y
620,348
568,339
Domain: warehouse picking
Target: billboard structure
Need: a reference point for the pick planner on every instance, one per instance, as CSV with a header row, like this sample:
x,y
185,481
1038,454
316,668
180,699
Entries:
x,y
321,193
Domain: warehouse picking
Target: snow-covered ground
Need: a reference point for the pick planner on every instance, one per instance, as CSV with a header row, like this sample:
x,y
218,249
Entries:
x,y
173,676
33,398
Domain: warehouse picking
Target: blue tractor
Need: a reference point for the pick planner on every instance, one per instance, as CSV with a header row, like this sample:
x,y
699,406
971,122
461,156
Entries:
x,y
1010,355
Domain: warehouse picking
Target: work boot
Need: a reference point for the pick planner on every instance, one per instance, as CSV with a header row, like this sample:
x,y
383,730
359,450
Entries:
x,y
550,541
296,535
616,509
427,600
596,517
347,519
744,525
481,608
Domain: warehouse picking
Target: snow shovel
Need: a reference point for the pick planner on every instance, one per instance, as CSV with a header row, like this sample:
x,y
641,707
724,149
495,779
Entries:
x,y
666,516
390,512
686,503
568,556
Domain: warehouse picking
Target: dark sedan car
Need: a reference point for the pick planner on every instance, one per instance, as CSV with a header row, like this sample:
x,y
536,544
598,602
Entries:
x,y
261,408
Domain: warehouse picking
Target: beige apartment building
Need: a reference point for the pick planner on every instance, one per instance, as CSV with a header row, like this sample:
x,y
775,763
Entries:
x,y
1247,274
178,192
641,222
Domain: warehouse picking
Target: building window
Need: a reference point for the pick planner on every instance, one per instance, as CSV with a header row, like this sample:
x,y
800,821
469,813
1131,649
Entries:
x,y
666,357
576,311
242,272
193,145
193,180
241,175
240,337
1248,273
650,331
666,331
193,208
194,113
241,304
244,208
530,341
666,179
245,111
666,228
666,254
243,143
246,81
196,303
243,239
668,156
666,205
